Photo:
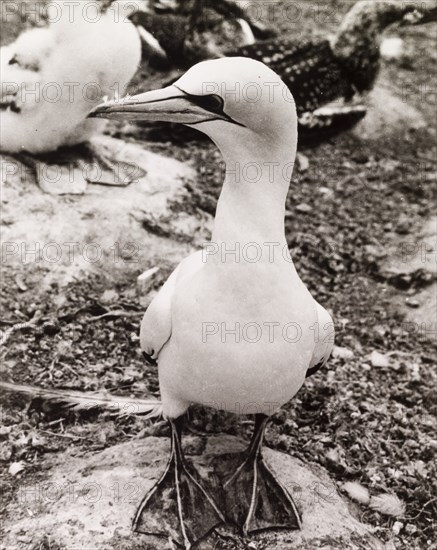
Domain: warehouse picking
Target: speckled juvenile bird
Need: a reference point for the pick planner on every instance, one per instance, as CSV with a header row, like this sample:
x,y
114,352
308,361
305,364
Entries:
x,y
190,31
321,71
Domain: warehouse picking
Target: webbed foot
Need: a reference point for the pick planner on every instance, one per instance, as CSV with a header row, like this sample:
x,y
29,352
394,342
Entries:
x,y
255,499
178,505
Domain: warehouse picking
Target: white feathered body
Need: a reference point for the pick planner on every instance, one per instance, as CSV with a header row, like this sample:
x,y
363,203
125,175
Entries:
x,y
58,74
234,336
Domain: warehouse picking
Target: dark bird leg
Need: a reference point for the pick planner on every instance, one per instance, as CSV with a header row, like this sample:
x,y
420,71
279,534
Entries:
x,y
178,505
255,499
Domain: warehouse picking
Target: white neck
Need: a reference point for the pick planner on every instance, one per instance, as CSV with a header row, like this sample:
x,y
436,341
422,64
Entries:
x,y
251,206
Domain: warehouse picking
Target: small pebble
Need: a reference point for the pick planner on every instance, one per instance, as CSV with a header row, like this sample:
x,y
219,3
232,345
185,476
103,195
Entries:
x,y
109,296
145,281
342,353
302,162
303,207
379,359
4,431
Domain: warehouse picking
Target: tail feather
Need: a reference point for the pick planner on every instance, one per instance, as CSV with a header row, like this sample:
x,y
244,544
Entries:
x,y
77,401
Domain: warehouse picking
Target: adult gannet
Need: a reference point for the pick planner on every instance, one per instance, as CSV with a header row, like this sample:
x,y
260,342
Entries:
x,y
232,328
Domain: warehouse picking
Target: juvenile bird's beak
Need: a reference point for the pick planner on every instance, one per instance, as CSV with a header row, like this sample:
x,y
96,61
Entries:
x,y
168,104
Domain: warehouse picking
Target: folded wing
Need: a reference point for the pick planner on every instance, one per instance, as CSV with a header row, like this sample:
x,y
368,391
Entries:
x,y
324,339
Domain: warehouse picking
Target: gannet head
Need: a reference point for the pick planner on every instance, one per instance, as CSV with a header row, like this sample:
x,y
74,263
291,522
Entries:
x,y
235,97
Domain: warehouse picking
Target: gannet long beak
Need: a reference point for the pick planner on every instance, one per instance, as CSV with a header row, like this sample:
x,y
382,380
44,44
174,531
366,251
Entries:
x,y
170,104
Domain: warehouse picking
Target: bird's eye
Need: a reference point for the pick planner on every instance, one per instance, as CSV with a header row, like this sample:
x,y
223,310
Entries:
x,y
211,102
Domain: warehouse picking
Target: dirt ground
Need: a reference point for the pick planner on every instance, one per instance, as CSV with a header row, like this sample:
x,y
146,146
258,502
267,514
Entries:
x,y
359,224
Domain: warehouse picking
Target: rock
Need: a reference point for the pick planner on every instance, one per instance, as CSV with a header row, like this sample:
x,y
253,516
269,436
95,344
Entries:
x,y
303,207
302,162
415,253
389,165
326,191
89,502
378,359
110,296
145,281
421,319
414,260
102,230
342,353
15,468
387,114
21,285
5,431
